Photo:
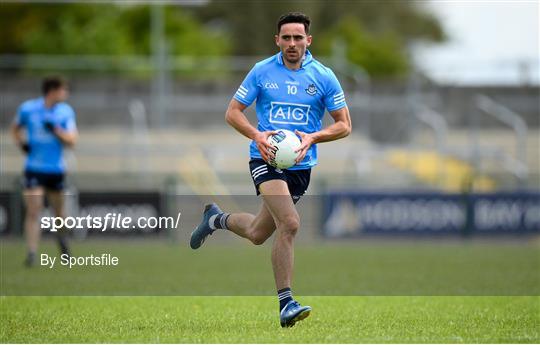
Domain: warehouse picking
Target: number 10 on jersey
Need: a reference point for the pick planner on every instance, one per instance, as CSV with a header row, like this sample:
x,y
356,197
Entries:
x,y
291,89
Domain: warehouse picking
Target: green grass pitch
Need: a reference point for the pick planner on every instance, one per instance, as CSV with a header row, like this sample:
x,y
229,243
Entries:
x,y
254,320
452,293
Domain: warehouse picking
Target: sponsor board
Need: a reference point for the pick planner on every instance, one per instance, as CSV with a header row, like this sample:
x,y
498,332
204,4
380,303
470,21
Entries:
x,y
357,213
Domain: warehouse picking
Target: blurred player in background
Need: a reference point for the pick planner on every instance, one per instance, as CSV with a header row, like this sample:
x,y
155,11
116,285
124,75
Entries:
x,y
292,91
42,128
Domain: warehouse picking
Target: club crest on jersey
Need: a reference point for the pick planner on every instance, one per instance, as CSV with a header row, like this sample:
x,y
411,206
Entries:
x,y
289,113
311,90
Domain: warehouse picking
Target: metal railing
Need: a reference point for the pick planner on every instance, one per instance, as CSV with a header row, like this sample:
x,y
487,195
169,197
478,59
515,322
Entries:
x,y
517,166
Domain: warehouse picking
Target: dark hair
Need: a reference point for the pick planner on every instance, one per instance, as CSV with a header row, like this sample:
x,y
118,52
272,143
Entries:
x,y
294,17
52,83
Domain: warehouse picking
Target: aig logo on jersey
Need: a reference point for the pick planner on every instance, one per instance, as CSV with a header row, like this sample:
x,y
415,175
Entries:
x,y
289,113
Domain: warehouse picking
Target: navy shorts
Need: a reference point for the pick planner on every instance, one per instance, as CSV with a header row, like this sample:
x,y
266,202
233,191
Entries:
x,y
297,180
51,181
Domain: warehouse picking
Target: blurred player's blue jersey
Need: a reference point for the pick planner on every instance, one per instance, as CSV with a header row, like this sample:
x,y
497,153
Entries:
x,y
288,99
46,150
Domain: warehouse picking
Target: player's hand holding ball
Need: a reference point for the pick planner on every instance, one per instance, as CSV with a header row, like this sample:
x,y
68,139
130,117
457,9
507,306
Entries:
x,y
307,141
286,145
265,148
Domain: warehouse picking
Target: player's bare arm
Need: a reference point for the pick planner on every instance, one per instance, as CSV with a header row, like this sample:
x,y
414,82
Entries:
x,y
236,118
18,136
341,128
68,138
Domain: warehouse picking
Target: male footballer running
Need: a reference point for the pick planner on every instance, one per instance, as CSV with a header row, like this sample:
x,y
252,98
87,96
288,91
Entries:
x,y
49,123
292,91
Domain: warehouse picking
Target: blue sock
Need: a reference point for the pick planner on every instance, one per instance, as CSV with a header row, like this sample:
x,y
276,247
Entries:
x,y
219,221
284,295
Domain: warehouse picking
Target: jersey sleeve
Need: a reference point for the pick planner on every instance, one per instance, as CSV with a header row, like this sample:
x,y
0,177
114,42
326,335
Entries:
x,y
334,98
20,119
249,89
68,122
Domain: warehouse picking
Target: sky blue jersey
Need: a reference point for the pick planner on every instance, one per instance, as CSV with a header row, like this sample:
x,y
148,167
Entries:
x,y
46,150
287,99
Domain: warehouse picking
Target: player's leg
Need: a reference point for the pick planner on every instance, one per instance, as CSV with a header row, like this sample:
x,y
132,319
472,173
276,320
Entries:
x,y
256,228
33,200
279,203
57,201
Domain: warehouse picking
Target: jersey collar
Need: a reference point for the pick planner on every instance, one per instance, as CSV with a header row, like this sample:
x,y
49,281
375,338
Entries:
x,y
44,105
308,58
